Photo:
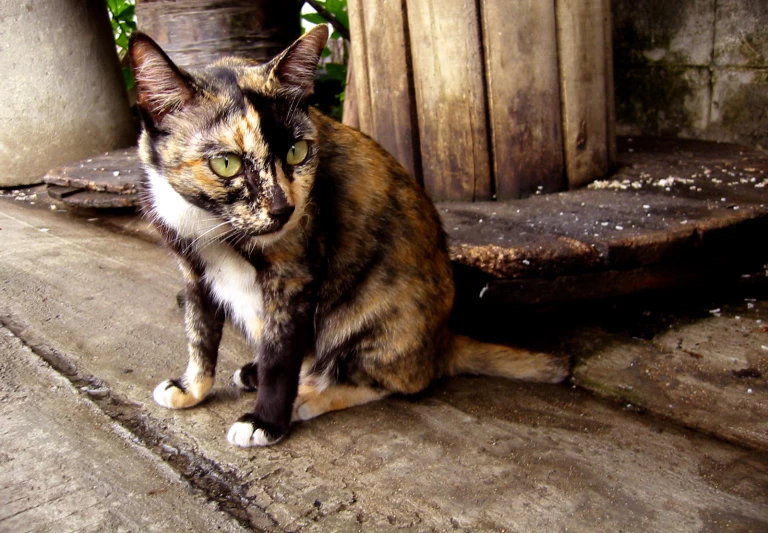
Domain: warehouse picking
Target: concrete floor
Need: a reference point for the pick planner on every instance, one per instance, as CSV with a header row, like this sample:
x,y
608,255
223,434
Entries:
x,y
90,325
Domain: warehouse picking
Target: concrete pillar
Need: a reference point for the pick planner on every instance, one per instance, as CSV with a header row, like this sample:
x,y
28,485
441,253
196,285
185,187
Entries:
x,y
62,96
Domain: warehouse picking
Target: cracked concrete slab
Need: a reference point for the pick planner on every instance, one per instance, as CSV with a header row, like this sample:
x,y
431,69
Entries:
x,y
66,466
470,454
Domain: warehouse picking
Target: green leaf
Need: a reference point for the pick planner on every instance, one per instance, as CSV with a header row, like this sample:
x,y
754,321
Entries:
x,y
130,81
122,41
335,35
343,17
336,71
334,6
326,52
127,14
314,18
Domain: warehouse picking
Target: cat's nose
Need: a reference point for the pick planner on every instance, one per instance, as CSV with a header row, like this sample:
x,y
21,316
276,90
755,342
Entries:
x,y
282,213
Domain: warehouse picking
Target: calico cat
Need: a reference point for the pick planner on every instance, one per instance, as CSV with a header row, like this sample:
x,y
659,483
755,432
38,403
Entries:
x,y
313,240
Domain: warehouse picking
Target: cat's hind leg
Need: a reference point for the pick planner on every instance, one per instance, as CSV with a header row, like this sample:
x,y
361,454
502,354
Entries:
x,y
204,322
313,401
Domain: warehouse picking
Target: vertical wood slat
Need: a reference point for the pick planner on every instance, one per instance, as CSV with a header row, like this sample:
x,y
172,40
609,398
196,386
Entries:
x,y
382,82
358,60
610,101
450,98
581,48
520,43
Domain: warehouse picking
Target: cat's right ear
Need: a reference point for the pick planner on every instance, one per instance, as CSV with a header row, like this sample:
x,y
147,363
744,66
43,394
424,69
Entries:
x,y
161,87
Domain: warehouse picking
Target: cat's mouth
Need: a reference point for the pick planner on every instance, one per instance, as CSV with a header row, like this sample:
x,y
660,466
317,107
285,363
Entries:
x,y
271,229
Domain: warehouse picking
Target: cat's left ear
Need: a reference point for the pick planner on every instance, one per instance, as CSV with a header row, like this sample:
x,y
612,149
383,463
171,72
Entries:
x,y
294,68
161,86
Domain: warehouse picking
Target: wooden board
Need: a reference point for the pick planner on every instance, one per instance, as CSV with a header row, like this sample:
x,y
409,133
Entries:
x,y
581,48
520,44
195,33
361,85
638,218
446,51
382,82
610,96
86,199
116,172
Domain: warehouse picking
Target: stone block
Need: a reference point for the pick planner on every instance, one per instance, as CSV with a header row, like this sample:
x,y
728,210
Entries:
x,y
741,33
63,93
665,100
739,104
648,32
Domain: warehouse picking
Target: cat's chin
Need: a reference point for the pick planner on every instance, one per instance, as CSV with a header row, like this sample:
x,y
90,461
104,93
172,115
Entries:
x,y
267,236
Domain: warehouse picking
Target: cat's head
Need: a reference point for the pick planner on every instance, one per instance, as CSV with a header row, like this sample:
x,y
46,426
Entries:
x,y
231,144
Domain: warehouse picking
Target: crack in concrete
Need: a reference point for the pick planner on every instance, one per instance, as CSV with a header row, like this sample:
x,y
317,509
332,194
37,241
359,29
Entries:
x,y
206,477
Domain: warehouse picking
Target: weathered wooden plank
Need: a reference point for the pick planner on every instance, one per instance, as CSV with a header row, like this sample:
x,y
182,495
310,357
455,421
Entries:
x,y
520,44
350,114
361,85
384,91
194,33
581,48
117,172
446,51
610,97
86,199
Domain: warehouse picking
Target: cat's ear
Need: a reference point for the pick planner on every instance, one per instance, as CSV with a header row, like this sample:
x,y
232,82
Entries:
x,y
161,87
294,68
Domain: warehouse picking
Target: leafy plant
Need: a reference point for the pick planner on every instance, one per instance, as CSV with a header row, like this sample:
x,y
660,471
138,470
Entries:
x,y
332,77
122,14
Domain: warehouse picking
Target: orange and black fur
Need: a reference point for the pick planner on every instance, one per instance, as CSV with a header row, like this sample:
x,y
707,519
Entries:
x,y
305,233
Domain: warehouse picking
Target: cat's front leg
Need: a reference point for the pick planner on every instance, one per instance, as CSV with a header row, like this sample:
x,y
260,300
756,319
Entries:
x,y
204,322
287,337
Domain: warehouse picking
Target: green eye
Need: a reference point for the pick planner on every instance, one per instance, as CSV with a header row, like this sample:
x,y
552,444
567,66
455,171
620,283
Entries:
x,y
226,165
297,153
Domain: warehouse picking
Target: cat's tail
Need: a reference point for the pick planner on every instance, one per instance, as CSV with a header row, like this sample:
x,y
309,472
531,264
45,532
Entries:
x,y
468,356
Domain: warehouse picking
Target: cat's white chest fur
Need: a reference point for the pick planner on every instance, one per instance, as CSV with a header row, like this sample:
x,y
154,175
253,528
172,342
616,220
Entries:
x,y
231,278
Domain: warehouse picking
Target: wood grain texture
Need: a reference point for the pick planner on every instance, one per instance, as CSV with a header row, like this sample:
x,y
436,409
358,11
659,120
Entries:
x,y
359,60
194,33
610,97
450,97
116,172
581,48
381,77
520,44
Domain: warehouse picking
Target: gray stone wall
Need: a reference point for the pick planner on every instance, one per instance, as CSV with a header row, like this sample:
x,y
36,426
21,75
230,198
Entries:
x,y
692,68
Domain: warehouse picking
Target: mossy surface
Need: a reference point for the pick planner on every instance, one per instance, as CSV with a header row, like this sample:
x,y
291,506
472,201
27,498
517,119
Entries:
x,y
744,113
640,26
653,98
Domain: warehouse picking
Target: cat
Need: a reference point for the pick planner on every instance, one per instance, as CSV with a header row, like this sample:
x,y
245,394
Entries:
x,y
307,235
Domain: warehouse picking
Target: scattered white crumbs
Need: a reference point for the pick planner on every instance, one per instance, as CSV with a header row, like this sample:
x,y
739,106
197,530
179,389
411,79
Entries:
x,y
116,173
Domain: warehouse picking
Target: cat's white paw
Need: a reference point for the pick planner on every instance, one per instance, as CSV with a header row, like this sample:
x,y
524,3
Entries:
x,y
171,394
246,383
238,380
246,435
